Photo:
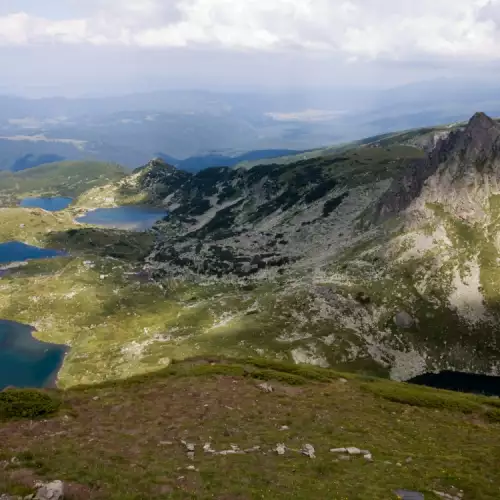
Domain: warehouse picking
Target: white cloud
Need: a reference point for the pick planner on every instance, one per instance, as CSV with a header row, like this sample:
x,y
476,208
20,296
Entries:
x,y
373,29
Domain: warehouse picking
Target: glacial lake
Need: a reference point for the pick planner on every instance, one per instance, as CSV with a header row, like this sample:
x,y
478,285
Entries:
x,y
26,361
460,382
128,217
51,204
15,251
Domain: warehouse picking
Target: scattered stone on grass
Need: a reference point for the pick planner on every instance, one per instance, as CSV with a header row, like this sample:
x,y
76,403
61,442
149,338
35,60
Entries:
x,y
308,450
265,387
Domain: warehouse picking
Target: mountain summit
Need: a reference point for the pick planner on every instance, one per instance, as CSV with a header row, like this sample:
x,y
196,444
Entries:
x,y
460,173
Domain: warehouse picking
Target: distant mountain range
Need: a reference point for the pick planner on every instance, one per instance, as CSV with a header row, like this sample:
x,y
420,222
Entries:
x,y
204,128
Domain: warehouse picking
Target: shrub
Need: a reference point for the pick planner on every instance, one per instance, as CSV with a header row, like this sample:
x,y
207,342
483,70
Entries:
x,y
27,403
493,415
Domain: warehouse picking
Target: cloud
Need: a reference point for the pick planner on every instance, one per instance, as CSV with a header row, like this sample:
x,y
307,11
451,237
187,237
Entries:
x,y
356,29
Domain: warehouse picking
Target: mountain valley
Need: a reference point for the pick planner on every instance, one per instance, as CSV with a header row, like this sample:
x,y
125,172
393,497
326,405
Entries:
x,y
267,309
364,258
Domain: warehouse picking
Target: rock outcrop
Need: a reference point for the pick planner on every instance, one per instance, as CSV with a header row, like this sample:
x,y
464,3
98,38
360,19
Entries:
x,y
461,173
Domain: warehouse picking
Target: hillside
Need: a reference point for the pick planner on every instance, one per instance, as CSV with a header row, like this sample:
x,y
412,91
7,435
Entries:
x,y
68,178
131,440
380,258
345,260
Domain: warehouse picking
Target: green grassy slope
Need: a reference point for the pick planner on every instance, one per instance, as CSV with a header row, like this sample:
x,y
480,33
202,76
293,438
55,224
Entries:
x,y
124,440
69,178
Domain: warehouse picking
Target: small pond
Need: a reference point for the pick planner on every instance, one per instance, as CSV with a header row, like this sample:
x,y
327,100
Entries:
x,y
461,382
26,361
129,217
15,251
51,204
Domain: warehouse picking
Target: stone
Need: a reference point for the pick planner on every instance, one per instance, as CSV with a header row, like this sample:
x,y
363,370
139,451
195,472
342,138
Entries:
x,y
308,450
403,320
343,380
284,428
254,448
51,491
207,448
189,446
353,451
409,495
190,455
338,450
409,460
280,449
265,387
368,457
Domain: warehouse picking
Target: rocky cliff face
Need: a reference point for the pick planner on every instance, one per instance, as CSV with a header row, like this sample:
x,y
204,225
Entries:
x,y
461,172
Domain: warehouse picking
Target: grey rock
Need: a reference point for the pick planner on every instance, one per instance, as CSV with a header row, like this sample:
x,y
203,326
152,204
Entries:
x,y
308,450
265,387
189,446
353,451
280,449
338,450
254,448
403,320
51,491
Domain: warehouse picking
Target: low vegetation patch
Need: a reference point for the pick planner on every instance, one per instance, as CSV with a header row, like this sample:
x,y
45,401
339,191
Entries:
x,y
420,439
27,403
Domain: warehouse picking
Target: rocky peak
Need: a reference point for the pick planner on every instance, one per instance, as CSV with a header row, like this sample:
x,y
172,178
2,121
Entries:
x,y
479,140
458,173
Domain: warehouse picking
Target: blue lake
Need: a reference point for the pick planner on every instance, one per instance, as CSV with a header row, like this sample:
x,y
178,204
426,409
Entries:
x,y
51,204
15,251
128,217
26,361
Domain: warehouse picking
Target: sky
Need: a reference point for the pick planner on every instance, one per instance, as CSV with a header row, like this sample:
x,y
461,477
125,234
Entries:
x,y
77,47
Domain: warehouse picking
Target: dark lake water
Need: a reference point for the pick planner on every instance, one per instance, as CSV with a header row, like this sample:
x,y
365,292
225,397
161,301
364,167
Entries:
x,y
15,251
461,382
26,361
51,204
129,217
